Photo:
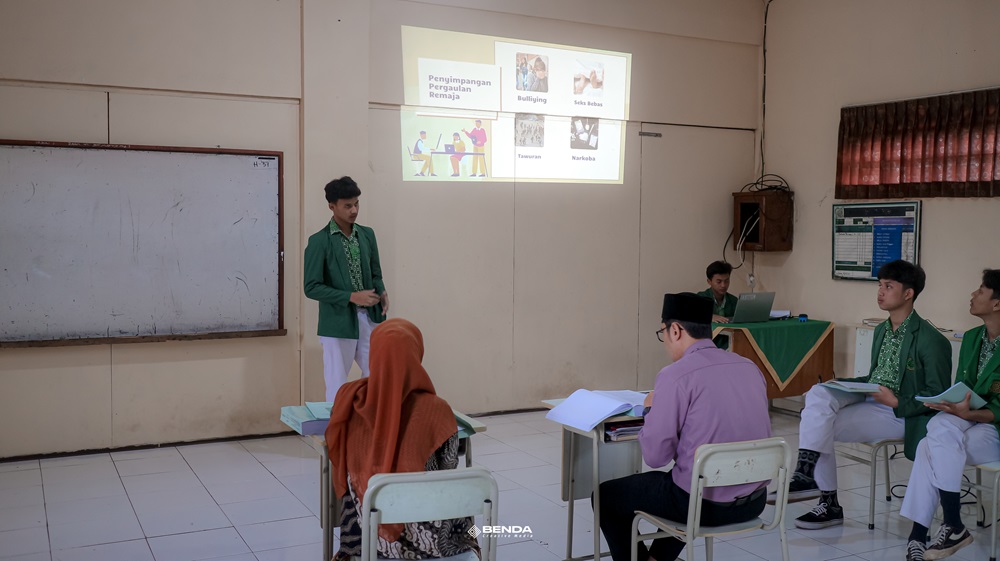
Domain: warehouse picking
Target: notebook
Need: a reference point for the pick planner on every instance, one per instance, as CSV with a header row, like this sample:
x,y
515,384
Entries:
x,y
753,307
449,148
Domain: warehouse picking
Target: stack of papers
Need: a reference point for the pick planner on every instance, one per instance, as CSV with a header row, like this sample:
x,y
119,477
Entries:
x,y
585,409
309,419
625,430
955,394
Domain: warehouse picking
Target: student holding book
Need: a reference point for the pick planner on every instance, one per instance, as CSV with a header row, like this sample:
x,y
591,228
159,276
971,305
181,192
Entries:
x,y
707,395
909,358
958,435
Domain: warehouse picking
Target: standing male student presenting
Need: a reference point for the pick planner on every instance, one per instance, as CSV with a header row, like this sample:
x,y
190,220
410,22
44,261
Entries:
x,y
342,271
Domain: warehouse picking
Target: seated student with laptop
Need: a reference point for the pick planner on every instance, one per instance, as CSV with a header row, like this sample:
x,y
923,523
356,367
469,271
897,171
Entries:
x,y
909,358
723,303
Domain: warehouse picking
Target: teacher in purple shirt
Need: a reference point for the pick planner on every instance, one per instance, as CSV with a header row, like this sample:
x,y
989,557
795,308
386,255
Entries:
x,y
707,395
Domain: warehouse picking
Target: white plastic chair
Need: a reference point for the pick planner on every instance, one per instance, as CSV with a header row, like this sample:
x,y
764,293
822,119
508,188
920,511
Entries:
x,y
394,498
717,465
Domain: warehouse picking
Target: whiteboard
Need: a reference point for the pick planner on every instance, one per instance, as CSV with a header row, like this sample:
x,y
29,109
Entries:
x,y
869,235
102,242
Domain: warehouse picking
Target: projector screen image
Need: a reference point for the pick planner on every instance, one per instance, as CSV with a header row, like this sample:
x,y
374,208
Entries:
x,y
481,108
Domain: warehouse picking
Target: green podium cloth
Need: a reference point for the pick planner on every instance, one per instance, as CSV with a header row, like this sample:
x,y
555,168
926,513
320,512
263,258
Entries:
x,y
784,345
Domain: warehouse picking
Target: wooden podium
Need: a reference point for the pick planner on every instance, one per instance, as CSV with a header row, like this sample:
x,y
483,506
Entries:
x,y
816,366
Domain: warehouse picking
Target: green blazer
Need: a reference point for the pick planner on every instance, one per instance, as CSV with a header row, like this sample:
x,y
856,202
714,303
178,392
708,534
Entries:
x,y
728,307
326,278
987,386
925,369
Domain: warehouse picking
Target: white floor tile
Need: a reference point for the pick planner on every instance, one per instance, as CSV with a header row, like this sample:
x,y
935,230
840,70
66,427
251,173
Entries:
x,y
270,488
23,542
167,481
265,510
482,445
21,517
293,466
308,552
22,496
155,464
18,466
305,488
175,512
279,449
17,479
136,550
536,476
282,534
506,461
166,451
69,490
99,528
79,460
510,429
41,556
525,551
196,546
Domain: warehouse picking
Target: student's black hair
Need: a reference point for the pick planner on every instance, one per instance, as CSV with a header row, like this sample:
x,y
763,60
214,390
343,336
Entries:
x,y
906,274
695,330
991,280
539,64
718,268
343,188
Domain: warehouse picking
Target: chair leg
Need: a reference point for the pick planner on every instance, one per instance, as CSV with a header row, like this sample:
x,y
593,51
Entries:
x,y
634,555
709,552
784,542
981,514
873,467
993,516
888,488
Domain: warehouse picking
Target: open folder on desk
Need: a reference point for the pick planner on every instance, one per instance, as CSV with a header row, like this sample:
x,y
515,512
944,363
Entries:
x,y
585,409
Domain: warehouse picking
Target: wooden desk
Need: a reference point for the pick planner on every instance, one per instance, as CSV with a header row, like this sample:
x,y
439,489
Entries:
x,y
329,505
580,478
816,365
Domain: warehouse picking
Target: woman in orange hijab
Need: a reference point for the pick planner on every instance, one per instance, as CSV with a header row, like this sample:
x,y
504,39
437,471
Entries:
x,y
391,422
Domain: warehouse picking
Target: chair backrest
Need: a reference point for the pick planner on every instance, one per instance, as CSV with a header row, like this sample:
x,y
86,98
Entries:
x,y
431,495
737,463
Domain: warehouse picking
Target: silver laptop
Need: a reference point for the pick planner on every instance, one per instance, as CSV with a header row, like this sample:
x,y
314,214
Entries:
x,y
753,307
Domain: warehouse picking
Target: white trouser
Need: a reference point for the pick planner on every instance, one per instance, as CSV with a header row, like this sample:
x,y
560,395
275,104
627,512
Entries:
x,y
338,354
951,444
835,416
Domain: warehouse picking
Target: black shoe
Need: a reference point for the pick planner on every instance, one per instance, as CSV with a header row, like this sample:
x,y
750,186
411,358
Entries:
x,y
947,542
915,550
821,516
801,488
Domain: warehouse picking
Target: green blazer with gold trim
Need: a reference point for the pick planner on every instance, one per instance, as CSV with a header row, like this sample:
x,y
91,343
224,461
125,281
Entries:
x,y
925,369
327,279
986,386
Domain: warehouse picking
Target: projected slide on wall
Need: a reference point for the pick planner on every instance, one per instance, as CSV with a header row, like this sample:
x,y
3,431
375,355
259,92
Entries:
x,y
482,108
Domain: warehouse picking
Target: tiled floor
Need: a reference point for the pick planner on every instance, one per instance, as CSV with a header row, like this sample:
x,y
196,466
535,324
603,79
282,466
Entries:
x,y
259,499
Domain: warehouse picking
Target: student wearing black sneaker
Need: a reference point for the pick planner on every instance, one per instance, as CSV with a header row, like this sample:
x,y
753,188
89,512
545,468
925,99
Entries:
x,y
909,358
958,436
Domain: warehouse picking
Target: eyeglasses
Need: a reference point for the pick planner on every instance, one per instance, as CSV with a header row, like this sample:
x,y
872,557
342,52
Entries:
x,y
659,334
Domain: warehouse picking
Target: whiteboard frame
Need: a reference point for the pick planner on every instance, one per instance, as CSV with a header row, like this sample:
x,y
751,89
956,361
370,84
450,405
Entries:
x,y
917,206
280,331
